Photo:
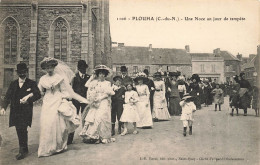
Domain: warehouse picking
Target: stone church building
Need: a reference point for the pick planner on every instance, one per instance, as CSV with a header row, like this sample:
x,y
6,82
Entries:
x,y
68,30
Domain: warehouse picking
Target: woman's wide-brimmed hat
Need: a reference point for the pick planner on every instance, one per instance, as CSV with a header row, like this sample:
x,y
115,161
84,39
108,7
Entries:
x,y
48,61
186,96
102,67
140,76
196,77
174,74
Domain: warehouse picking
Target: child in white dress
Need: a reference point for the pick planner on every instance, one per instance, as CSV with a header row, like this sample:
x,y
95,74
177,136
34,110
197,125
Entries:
x,y
188,108
130,113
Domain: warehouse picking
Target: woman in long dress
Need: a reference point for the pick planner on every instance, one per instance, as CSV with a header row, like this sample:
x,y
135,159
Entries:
x,y
244,93
97,127
160,110
174,100
58,115
143,104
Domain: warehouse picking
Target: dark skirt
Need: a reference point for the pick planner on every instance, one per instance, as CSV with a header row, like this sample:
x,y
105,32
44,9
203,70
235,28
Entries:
x,y
197,102
174,106
245,101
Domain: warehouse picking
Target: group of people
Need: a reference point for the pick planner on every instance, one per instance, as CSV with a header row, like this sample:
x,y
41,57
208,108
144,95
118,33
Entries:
x,y
102,99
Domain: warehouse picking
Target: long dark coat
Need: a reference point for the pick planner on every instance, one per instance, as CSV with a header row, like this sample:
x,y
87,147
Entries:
x,y
21,114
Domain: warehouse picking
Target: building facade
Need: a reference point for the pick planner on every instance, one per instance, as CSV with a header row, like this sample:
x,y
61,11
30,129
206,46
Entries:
x,y
68,30
139,58
250,69
232,65
208,67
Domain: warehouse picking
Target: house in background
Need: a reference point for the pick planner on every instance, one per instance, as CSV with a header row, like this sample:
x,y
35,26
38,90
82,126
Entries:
x,y
207,66
219,65
249,69
68,30
139,58
231,64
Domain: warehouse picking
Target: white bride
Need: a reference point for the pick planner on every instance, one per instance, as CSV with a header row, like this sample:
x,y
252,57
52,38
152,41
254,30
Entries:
x,y
58,115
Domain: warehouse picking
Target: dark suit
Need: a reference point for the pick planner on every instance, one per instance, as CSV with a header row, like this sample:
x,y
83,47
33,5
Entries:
x,y
117,104
150,85
21,114
78,86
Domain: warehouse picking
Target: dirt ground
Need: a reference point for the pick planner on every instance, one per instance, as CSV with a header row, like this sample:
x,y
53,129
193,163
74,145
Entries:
x,y
218,138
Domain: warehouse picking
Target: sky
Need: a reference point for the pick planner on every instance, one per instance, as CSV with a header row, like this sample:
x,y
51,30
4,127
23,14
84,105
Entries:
x,y
203,36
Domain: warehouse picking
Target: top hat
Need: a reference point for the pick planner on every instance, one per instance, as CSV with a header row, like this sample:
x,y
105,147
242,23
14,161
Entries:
x,y
21,67
123,69
146,72
82,64
117,78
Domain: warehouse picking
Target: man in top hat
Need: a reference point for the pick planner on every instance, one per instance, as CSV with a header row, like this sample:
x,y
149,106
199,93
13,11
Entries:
x,y
20,95
151,87
78,85
195,90
125,77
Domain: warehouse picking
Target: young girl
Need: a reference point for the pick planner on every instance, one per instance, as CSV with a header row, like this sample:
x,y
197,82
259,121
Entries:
x,y
130,113
218,97
188,107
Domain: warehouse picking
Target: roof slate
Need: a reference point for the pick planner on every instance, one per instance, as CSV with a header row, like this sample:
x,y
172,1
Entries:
x,y
142,55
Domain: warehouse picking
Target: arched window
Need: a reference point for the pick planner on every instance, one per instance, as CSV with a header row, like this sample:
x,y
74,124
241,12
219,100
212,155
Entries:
x,y
10,42
60,40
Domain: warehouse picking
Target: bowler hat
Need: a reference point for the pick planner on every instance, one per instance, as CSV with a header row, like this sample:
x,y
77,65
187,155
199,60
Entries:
x,y
21,67
117,78
82,64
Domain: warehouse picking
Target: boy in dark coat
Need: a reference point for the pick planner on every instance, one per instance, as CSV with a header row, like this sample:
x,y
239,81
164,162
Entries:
x,y
20,95
117,103
151,87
